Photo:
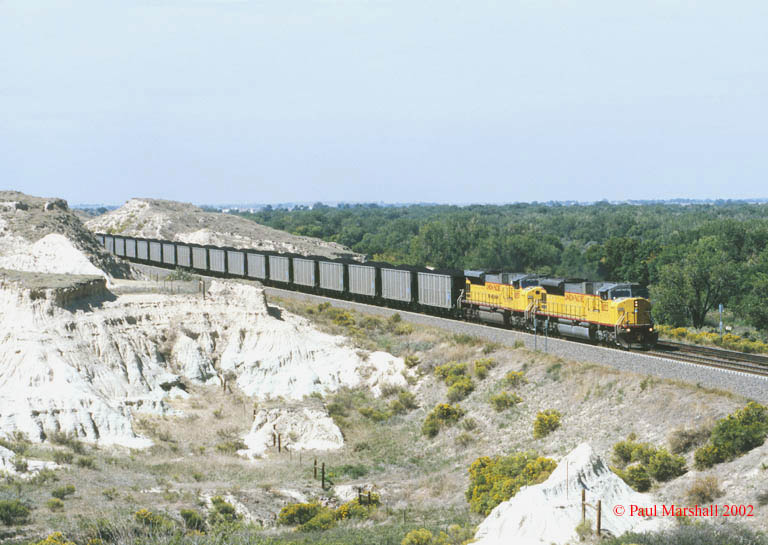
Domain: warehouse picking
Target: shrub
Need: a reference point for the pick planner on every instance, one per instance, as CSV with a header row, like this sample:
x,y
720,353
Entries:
x,y
61,457
460,389
636,476
546,422
421,536
630,450
762,498
515,378
469,424
356,509
153,521
222,512
374,414
56,538
682,440
109,493
231,447
63,491
482,367
353,471
734,435
464,439
297,513
86,462
341,317
411,361
442,415
403,329
193,520
707,456
504,400
451,372
323,520
68,440
13,512
703,490
664,466
54,504
20,464
431,427
463,338
584,529
494,480
408,400
518,344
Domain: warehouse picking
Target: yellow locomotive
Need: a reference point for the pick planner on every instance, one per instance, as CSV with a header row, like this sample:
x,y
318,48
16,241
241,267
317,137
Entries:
x,y
607,312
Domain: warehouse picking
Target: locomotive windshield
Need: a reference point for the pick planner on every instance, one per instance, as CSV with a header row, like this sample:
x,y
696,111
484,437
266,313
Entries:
x,y
638,291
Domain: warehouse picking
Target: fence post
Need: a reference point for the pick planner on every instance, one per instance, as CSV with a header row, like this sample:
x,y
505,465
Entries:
x,y
279,442
599,513
583,505
322,474
315,469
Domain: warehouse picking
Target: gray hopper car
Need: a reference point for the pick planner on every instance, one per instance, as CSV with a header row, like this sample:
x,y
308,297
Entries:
x,y
184,255
199,258
257,266
120,246
142,249
155,251
396,285
235,262
217,260
279,268
304,272
130,248
169,253
331,276
362,280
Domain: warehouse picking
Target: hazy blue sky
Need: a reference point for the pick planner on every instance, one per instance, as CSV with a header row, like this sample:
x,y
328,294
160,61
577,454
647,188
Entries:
x,y
270,101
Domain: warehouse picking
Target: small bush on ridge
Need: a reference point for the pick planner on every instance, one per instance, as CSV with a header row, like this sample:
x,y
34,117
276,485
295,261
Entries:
x,y
546,422
504,400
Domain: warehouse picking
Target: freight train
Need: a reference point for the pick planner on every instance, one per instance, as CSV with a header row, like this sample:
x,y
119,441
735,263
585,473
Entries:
x,y
600,312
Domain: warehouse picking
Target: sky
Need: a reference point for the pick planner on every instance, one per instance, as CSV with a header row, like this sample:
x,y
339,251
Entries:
x,y
224,101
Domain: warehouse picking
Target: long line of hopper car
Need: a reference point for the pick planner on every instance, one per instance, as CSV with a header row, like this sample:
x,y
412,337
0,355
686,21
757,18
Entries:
x,y
599,312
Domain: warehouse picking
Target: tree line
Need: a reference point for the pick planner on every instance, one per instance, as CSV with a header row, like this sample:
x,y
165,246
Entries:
x,y
693,256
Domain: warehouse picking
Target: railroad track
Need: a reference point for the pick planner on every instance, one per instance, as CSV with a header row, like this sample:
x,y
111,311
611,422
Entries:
x,y
713,357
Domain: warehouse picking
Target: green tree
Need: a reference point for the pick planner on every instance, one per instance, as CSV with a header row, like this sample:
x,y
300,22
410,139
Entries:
x,y
754,305
690,287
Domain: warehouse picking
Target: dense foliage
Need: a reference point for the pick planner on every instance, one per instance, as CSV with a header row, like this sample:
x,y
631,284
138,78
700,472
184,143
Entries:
x,y
734,435
495,480
649,463
694,257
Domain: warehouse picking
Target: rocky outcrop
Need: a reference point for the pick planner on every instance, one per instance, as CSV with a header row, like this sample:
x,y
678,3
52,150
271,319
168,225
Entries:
x,y
299,428
44,235
87,371
549,512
